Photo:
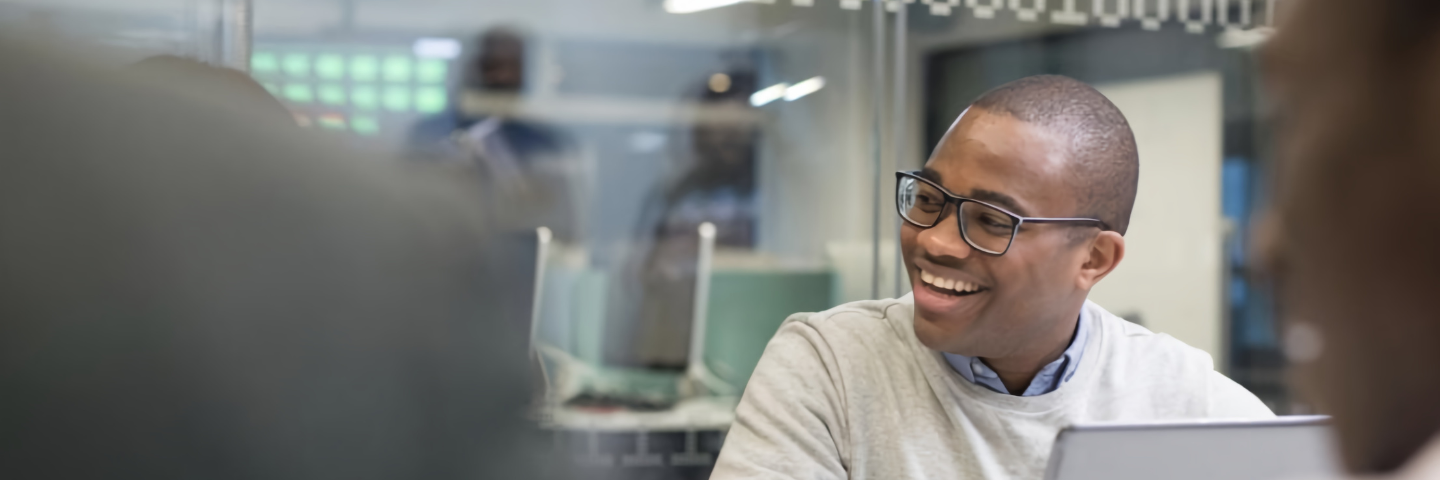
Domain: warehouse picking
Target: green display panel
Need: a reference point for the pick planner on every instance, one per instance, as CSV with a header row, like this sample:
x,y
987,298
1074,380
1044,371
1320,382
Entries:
x,y
331,94
397,98
364,125
297,65
299,93
397,68
364,97
364,68
264,62
430,71
330,67
429,99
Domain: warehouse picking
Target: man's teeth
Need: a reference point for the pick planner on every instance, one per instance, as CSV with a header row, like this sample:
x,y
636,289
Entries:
x,y
947,283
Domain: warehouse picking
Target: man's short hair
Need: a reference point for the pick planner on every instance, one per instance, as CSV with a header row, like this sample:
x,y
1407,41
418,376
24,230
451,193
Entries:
x,y
1104,162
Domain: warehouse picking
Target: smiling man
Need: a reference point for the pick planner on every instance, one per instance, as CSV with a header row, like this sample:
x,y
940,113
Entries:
x,y
1019,212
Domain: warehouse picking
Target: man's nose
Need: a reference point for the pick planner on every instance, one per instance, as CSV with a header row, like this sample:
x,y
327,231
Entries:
x,y
944,240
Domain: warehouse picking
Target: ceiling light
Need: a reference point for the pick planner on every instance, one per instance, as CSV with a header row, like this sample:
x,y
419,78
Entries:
x,y
768,94
805,87
719,83
692,6
446,48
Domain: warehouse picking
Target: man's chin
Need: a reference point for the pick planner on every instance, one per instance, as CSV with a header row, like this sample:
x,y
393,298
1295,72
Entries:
x,y
936,336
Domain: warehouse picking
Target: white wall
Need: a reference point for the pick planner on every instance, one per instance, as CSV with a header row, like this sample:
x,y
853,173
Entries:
x,y
1171,274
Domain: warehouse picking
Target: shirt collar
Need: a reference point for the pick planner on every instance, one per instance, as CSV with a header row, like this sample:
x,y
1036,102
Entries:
x,y
1050,377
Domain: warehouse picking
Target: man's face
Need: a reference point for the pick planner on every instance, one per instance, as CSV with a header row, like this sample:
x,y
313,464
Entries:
x,y
1027,291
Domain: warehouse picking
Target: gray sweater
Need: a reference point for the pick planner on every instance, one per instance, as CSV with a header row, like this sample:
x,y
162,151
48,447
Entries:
x,y
851,393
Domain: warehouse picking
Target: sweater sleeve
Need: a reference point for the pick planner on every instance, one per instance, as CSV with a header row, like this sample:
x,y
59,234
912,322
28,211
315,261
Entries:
x,y
1230,400
790,421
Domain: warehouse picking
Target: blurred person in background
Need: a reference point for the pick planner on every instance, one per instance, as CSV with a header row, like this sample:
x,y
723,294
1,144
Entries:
x,y
189,289
1018,213
717,185
1352,240
529,165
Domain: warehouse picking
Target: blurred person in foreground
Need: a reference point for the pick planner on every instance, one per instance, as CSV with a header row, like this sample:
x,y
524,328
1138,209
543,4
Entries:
x,y
1352,242
189,289
1018,213
231,87
530,165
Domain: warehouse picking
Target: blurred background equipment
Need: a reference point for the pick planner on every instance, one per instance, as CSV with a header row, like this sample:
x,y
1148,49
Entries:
x,y
622,126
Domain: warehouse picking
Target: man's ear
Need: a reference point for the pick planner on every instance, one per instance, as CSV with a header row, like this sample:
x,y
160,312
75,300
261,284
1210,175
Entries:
x,y
1106,251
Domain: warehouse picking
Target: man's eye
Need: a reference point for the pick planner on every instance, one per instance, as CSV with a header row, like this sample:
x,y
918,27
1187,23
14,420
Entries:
x,y
928,203
994,221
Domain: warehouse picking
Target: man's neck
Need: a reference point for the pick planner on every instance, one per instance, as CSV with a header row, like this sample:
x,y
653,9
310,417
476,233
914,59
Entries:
x,y
1017,371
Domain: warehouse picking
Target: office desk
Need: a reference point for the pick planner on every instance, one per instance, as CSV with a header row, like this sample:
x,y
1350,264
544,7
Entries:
x,y
678,443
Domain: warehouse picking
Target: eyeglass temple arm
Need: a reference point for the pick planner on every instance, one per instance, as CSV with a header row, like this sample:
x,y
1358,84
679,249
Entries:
x,y
1102,223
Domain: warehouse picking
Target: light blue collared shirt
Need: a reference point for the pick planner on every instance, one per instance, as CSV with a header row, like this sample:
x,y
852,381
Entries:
x,y
1050,377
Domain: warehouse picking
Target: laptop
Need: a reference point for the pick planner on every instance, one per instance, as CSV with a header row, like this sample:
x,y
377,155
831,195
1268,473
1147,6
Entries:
x,y
1297,447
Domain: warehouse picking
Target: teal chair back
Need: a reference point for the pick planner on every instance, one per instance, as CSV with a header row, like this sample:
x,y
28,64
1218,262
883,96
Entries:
x,y
747,307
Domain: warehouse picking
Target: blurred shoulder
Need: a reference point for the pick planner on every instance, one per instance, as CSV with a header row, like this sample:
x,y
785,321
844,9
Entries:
x,y
1130,340
865,322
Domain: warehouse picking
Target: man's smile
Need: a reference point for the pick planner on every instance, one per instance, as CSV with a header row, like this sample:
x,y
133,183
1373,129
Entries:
x,y
943,293
949,286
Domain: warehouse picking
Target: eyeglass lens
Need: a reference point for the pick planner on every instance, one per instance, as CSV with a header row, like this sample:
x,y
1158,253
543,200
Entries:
x,y
983,227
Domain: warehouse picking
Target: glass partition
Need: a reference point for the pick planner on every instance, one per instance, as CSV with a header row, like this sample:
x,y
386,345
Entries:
x,y
697,170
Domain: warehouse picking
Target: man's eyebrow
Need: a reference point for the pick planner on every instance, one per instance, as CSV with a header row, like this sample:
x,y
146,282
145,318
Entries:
x,y
999,199
931,175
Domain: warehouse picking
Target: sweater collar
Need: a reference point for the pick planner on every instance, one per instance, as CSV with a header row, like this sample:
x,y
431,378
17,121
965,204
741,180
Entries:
x,y
1049,378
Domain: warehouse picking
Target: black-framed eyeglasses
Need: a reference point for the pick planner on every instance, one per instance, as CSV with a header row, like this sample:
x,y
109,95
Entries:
x,y
984,227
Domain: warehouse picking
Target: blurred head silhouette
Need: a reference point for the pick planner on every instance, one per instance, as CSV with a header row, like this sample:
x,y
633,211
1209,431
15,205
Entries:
x,y
1352,241
190,290
499,66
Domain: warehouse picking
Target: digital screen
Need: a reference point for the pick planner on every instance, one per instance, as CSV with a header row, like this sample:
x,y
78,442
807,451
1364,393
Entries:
x,y
332,94
430,99
297,65
364,68
397,98
430,71
351,86
299,93
330,67
364,97
364,125
264,62
397,68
